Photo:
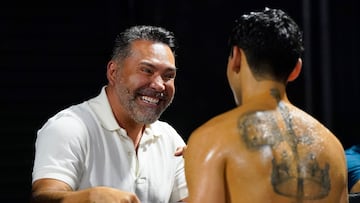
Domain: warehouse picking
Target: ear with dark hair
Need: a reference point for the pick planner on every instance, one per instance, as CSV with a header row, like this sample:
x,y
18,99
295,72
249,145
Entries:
x,y
235,58
296,71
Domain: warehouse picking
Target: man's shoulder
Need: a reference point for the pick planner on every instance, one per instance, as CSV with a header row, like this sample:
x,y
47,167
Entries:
x,y
70,114
161,127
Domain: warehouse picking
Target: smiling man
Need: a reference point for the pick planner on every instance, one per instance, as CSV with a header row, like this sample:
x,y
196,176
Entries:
x,y
113,148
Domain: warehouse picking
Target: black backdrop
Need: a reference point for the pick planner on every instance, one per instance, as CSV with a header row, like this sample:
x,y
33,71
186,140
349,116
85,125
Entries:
x,y
54,54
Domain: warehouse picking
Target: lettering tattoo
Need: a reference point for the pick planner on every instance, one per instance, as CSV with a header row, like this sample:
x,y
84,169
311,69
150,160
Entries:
x,y
296,173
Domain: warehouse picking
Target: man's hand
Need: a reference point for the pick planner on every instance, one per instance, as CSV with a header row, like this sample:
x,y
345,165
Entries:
x,y
51,190
180,151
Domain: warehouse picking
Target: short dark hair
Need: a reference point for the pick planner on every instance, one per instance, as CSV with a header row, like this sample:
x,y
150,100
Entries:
x,y
123,41
271,40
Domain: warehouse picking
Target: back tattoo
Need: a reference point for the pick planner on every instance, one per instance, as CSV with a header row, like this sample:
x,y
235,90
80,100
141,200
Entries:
x,y
295,174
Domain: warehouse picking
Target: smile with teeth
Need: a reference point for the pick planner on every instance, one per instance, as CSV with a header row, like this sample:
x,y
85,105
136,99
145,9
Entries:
x,y
150,100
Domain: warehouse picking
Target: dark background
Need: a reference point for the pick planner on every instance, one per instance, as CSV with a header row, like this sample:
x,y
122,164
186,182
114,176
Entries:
x,y
54,54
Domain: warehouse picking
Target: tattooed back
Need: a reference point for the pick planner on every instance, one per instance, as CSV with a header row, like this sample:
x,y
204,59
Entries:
x,y
276,153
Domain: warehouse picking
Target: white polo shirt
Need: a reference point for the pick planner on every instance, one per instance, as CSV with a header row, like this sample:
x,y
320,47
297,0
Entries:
x,y
84,146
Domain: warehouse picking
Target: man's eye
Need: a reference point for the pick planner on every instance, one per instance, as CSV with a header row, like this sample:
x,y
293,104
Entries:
x,y
169,76
147,70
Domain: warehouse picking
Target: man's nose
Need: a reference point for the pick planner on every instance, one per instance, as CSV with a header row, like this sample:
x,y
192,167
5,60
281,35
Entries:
x,y
158,83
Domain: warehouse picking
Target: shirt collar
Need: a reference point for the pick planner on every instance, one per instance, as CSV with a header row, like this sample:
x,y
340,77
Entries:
x,y
101,106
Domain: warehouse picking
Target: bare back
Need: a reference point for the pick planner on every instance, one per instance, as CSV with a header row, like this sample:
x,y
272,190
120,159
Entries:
x,y
279,155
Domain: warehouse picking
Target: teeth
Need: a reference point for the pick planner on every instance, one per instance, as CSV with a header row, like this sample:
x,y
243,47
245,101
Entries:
x,y
150,100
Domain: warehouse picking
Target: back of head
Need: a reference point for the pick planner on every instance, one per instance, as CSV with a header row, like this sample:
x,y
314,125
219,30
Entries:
x,y
271,40
122,45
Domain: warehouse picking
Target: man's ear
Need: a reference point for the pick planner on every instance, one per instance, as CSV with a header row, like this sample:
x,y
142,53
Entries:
x,y
296,71
235,58
111,71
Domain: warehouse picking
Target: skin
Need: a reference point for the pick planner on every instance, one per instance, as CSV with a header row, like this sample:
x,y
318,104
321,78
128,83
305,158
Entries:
x,y
265,149
139,90
355,188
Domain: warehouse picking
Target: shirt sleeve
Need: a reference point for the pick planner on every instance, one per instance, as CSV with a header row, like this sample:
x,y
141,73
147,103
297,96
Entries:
x,y
60,149
180,190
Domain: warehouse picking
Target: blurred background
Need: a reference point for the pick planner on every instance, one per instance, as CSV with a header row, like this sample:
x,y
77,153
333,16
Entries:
x,y
54,54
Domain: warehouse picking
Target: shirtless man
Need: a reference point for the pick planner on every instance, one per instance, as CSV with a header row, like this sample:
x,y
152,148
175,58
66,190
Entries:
x,y
266,149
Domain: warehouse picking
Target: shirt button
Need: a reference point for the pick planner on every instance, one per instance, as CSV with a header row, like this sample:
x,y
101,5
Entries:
x,y
140,180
